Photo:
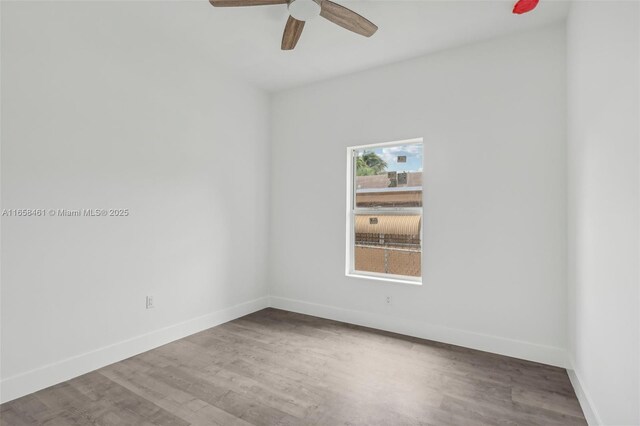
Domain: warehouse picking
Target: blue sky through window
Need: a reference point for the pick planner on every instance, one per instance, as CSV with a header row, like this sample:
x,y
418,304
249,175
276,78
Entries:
x,y
390,154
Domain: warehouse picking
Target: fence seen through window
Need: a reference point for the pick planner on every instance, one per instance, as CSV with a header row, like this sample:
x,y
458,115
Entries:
x,y
386,215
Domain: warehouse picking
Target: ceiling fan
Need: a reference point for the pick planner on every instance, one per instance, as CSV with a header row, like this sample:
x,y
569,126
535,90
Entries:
x,y
301,11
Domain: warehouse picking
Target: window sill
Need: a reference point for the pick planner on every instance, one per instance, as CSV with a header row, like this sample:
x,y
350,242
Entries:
x,y
382,278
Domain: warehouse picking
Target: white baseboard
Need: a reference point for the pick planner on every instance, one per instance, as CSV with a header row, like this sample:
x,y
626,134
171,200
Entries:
x,y
514,348
48,375
589,410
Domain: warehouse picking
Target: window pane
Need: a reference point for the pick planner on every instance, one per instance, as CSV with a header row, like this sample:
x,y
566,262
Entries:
x,y
388,244
389,176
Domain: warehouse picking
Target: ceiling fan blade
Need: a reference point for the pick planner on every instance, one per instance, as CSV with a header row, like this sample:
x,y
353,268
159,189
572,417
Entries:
x,y
347,18
235,3
292,32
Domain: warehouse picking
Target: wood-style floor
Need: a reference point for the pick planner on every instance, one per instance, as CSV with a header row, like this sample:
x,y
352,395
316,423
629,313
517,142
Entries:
x,y
279,368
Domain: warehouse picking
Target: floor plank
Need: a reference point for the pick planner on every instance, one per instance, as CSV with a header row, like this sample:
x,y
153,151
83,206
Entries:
x,y
281,368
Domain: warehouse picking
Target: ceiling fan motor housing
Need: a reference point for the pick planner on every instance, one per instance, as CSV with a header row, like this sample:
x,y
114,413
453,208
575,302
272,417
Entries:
x,y
304,10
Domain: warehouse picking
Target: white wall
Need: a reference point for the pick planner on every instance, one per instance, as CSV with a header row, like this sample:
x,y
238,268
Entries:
x,y
604,209
172,129
493,118
97,114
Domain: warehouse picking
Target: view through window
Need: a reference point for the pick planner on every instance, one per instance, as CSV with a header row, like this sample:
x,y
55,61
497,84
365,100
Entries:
x,y
386,210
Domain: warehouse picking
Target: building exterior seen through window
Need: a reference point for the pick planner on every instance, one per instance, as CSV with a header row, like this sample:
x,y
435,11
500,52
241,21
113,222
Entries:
x,y
385,223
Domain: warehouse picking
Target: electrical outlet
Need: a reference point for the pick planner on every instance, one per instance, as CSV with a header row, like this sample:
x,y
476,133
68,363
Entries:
x,y
150,304
388,300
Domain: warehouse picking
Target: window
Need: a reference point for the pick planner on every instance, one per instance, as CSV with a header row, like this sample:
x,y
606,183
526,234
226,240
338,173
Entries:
x,y
384,217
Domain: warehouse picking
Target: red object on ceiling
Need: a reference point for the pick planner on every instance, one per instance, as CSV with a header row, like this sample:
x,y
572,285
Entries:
x,y
524,6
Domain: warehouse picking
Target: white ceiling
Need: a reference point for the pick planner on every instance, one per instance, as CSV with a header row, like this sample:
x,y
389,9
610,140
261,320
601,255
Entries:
x,y
246,40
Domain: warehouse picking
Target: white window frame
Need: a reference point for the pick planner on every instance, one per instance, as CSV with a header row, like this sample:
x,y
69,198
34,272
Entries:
x,y
352,211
